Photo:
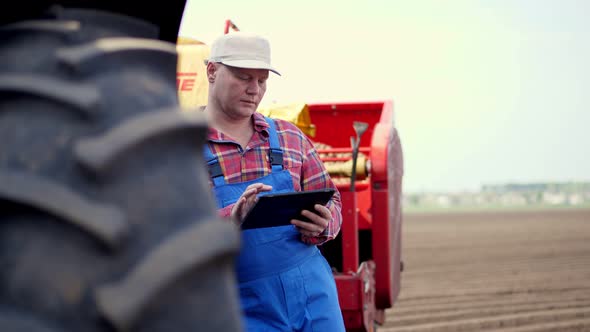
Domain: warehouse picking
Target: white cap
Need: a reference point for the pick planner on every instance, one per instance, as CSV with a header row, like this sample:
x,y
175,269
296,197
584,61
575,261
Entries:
x,y
242,50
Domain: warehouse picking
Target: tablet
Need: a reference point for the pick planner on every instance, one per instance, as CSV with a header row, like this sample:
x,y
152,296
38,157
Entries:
x,y
279,209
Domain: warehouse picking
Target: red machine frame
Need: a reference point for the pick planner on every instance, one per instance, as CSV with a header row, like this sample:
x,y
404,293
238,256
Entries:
x,y
370,284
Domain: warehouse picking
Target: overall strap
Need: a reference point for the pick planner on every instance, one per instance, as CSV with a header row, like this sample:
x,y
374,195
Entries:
x,y
276,153
213,166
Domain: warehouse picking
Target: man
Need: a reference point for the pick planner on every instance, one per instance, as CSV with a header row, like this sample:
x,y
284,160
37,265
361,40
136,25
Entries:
x,y
285,283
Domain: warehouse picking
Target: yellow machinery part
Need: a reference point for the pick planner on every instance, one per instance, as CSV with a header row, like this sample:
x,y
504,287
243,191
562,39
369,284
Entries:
x,y
344,168
296,113
191,76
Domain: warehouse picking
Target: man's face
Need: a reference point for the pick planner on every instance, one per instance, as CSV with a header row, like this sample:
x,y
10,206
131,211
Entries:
x,y
238,91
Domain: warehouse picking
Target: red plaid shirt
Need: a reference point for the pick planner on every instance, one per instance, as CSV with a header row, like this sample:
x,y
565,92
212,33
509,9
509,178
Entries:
x,y
299,157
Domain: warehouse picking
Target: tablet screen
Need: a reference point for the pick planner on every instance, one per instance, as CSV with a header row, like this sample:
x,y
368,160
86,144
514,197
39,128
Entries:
x,y
279,209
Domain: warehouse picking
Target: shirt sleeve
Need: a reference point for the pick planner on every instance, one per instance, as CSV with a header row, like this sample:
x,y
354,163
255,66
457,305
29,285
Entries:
x,y
315,176
225,212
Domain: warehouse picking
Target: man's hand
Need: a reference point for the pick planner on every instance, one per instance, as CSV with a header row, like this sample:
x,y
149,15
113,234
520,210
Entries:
x,y
245,203
318,221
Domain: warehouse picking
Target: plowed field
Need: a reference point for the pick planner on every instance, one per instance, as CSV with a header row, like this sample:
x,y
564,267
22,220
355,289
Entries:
x,y
502,271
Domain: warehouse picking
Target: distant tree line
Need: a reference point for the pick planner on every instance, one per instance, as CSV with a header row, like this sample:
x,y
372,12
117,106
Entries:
x,y
565,187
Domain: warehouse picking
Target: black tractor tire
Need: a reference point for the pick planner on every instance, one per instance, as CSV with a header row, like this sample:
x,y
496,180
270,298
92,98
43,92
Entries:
x,y
106,218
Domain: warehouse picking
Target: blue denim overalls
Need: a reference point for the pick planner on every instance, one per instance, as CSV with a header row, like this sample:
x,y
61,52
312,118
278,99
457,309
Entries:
x,y
285,284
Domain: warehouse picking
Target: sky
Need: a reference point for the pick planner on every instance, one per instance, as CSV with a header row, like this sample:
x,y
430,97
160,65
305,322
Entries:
x,y
484,92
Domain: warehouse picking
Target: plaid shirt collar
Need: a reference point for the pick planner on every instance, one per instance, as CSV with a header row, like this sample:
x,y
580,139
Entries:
x,y
260,126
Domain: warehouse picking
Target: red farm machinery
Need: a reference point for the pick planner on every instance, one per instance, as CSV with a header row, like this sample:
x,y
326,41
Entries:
x,y
365,160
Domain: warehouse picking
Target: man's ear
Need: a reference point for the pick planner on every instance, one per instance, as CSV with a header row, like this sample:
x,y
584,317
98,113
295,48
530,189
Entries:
x,y
211,71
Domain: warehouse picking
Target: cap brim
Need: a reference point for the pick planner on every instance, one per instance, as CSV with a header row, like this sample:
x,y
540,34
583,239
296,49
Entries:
x,y
250,64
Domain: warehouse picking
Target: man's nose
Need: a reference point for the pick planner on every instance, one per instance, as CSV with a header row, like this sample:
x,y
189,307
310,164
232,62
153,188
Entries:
x,y
253,87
